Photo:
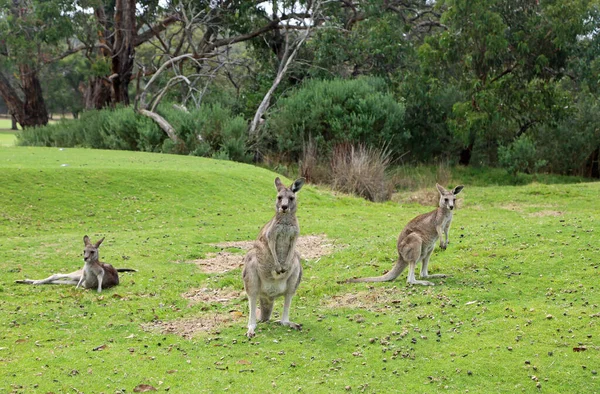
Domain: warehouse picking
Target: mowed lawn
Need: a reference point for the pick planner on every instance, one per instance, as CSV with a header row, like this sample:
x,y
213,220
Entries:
x,y
7,138
519,311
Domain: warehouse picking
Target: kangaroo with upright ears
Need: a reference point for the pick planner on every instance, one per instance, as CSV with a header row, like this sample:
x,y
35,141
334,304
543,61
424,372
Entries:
x,y
417,241
94,274
272,267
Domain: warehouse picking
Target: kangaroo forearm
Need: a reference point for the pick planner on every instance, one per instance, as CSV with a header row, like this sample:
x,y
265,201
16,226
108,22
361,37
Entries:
x,y
274,253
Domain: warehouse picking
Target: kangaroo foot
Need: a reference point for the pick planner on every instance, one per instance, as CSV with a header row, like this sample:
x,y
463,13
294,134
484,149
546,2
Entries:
x,y
290,324
422,282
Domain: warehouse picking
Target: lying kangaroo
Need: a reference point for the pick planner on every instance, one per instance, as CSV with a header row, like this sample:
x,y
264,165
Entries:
x,y
272,267
417,241
94,273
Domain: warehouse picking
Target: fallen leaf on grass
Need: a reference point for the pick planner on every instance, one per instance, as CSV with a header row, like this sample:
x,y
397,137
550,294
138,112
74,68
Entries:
x,y
142,388
101,347
579,349
244,362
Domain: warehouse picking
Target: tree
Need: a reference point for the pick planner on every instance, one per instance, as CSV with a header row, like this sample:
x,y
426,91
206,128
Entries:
x,y
108,37
508,56
28,32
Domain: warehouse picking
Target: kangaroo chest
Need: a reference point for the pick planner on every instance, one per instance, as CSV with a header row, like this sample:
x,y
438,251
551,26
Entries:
x,y
90,273
284,238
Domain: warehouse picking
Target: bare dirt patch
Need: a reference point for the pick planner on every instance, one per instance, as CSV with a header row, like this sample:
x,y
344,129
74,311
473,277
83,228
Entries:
x,y
310,247
516,207
547,213
209,296
375,299
424,197
188,328
513,207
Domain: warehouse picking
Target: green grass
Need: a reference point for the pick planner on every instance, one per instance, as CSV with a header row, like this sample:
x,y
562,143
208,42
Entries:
x,y
6,124
7,138
518,254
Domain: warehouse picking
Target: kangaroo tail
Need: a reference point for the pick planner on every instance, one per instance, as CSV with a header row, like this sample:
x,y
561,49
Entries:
x,y
390,275
125,270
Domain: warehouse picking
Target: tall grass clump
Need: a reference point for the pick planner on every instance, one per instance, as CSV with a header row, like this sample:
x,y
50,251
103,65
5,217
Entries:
x,y
361,170
358,111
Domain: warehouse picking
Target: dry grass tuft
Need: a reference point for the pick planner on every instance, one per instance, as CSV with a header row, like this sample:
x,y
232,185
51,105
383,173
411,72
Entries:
x,y
361,170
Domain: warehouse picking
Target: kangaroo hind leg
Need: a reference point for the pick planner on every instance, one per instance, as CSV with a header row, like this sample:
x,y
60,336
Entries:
x,y
410,251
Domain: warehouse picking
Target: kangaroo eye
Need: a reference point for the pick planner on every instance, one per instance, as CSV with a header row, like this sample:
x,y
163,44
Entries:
x,y
292,198
446,199
279,197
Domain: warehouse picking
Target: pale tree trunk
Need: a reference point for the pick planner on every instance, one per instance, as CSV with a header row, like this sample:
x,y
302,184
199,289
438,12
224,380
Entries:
x,y
286,61
264,105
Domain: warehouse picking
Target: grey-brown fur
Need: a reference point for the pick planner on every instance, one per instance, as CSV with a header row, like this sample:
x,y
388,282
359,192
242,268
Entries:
x,y
272,267
417,241
94,274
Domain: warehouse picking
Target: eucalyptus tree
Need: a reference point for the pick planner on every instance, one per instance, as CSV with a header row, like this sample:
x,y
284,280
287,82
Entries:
x,y
29,34
509,57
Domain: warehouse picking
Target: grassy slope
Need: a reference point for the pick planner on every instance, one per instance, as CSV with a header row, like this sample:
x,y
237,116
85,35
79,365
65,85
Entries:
x,y
508,253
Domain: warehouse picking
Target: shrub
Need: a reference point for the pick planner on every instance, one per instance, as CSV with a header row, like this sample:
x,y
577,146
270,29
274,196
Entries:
x,y
520,156
334,112
208,131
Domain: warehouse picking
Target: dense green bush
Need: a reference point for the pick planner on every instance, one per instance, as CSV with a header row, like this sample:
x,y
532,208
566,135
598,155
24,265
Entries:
x,y
211,130
567,145
118,128
520,156
208,131
337,111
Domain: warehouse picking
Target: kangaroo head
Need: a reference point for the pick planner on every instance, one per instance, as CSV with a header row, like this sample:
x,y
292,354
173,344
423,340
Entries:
x,y
90,252
286,196
448,198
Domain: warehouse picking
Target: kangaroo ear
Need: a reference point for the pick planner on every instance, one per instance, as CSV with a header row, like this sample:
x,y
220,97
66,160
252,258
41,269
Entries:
x,y
86,240
278,183
441,188
297,185
99,242
457,189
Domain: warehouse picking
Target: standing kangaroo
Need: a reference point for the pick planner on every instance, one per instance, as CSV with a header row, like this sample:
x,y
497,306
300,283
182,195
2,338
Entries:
x,y
272,267
417,241
94,273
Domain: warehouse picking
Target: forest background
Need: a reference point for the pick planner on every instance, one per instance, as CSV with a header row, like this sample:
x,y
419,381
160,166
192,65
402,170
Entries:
x,y
312,87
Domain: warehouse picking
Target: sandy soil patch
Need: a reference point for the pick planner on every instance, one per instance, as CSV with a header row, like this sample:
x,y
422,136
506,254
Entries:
x,y
547,213
310,247
375,299
188,328
425,197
